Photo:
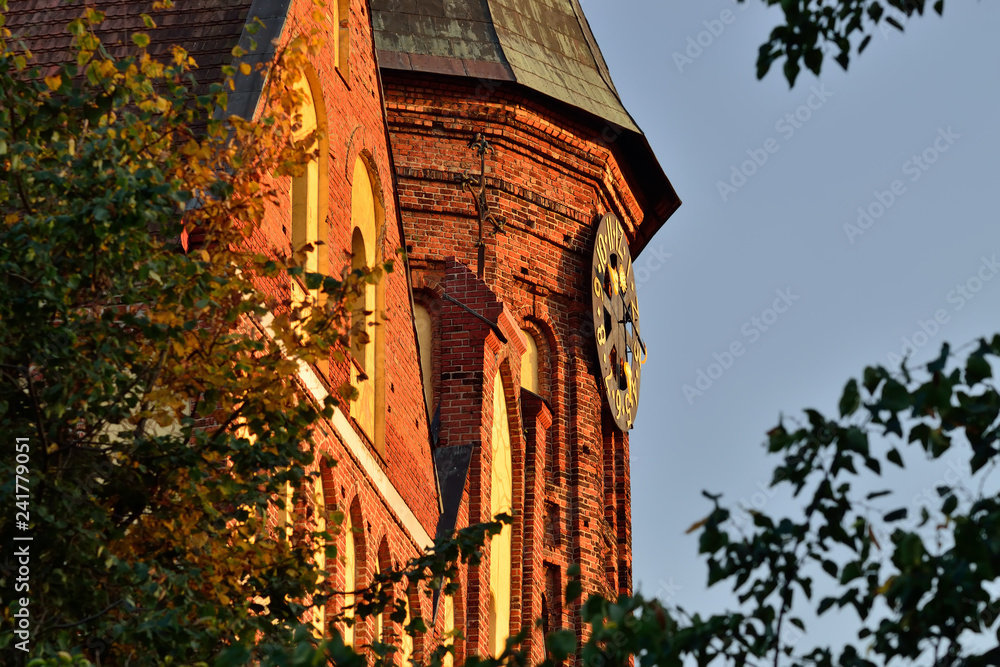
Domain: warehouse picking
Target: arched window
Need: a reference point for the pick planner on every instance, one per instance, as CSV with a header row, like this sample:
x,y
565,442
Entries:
x,y
350,576
425,342
319,525
449,627
308,202
344,38
382,563
529,364
492,629
284,504
406,648
367,345
285,515
305,187
307,195
501,495
354,559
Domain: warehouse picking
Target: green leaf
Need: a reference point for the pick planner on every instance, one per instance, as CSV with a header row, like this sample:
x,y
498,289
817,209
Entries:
x,y
813,60
937,365
894,397
873,377
977,369
895,515
850,572
561,644
792,70
850,400
873,464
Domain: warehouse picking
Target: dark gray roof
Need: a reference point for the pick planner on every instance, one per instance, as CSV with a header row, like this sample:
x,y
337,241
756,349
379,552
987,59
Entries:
x,y
545,45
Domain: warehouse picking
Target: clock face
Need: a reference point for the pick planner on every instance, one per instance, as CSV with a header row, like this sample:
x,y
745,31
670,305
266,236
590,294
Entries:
x,y
616,321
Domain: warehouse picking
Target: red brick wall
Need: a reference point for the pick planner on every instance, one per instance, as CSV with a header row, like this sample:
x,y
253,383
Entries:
x,y
354,125
550,177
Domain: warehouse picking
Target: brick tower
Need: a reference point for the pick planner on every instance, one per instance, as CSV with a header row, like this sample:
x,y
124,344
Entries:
x,y
518,91
486,138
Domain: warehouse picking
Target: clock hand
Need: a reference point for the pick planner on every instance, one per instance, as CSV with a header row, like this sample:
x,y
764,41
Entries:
x,y
629,319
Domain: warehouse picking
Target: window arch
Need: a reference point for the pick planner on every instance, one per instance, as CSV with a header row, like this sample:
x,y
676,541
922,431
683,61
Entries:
x,y
383,562
354,562
308,189
308,200
343,47
367,216
425,343
529,364
449,627
492,629
319,526
501,500
409,645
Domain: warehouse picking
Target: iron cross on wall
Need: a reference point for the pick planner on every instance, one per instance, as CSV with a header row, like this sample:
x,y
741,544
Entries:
x,y
481,146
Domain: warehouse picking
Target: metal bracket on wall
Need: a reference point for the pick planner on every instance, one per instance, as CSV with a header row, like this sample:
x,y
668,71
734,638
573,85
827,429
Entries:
x,y
482,147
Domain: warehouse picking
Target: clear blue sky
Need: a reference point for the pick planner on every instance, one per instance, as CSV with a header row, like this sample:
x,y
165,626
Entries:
x,y
849,295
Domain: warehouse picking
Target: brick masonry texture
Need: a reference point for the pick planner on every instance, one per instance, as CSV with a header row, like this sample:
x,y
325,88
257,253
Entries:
x,y
550,177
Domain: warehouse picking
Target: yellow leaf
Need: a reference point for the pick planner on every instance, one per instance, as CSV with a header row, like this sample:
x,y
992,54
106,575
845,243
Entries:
x,y
871,534
245,68
141,39
696,525
53,82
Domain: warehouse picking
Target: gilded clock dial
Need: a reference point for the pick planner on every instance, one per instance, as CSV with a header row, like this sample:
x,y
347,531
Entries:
x,y
620,348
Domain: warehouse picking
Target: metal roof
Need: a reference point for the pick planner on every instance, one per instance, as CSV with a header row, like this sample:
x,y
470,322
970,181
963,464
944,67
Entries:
x,y
545,45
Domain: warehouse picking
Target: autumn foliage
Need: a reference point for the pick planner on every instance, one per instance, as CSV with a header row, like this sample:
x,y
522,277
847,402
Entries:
x,y
156,382
157,385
